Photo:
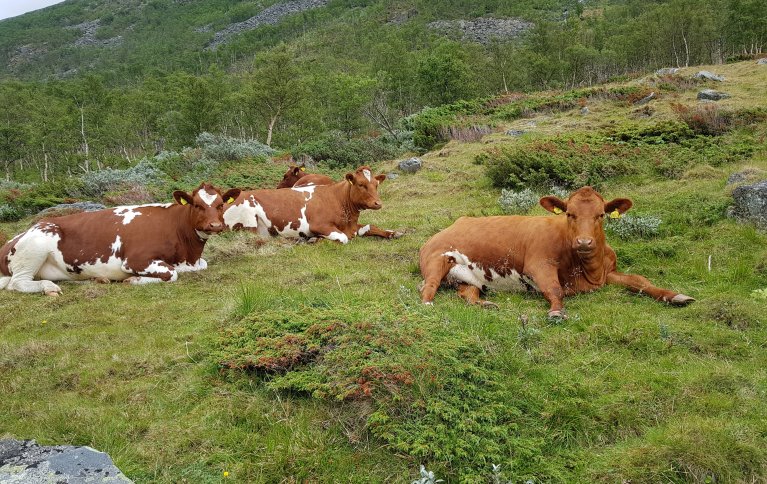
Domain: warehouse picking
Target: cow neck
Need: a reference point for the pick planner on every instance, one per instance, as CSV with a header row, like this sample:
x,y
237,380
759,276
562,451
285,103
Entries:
x,y
592,267
351,211
192,244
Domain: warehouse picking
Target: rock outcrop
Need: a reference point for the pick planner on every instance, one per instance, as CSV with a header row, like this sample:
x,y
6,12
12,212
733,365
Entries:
x,y
712,95
269,16
708,76
23,461
751,204
410,166
483,30
89,39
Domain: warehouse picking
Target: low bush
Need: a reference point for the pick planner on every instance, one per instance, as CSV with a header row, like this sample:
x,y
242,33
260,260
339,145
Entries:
x,y
517,202
630,227
219,147
337,151
9,213
97,183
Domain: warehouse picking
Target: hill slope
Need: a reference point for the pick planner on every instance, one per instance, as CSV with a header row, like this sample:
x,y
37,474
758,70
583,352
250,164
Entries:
x,y
625,390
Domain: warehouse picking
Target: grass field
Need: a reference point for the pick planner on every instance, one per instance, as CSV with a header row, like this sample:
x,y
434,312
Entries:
x,y
357,382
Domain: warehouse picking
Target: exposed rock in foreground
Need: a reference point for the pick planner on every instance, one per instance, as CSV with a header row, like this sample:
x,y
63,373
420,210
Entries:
x,y
269,16
708,76
712,95
23,461
751,204
410,166
483,30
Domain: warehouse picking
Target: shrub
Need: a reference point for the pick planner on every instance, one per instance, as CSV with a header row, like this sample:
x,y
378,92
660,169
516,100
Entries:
x,y
337,151
97,183
711,120
631,227
517,202
9,213
219,147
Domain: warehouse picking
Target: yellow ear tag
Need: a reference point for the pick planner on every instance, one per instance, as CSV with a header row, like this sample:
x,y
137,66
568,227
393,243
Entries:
x,y
615,214
231,200
350,182
183,201
302,169
557,210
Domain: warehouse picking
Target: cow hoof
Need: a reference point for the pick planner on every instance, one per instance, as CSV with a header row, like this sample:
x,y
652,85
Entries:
x,y
428,303
53,293
681,300
396,235
557,315
488,305
101,280
130,280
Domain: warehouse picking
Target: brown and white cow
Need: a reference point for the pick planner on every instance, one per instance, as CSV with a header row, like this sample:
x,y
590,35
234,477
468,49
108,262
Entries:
x,y
136,244
297,176
557,256
329,211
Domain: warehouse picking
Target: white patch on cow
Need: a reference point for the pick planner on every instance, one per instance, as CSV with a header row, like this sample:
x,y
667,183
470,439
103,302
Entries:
x,y
468,272
363,230
338,236
35,248
247,214
207,197
307,190
200,265
366,174
129,212
116,245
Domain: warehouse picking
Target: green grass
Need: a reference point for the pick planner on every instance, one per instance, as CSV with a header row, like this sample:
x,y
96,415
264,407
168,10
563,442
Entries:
x,y
626,389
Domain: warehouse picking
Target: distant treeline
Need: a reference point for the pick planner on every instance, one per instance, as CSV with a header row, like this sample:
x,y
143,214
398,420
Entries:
x,y
357,75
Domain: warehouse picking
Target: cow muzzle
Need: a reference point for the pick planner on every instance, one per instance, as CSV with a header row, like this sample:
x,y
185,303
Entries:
x,y
376,205
214,228
584,245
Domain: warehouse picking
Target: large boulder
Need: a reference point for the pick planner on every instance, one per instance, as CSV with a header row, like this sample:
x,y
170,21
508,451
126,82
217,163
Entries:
x,y
762,62
751,204
667,71
411,165
645,99
708,76
712,95
23,461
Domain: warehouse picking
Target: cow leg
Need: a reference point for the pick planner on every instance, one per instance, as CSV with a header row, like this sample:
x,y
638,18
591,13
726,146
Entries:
x,y
640,284
27,262
330,233
373,231
471,295
433,271
547,281
156,271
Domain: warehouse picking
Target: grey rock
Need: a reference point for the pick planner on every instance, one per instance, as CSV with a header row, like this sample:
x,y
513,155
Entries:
x,y
712,95
515,132
82,206
709,76
751,204
269,16
645,99
23,461
762,62
391,176
746,175
585,110
410,166
89,39
667,71
482,30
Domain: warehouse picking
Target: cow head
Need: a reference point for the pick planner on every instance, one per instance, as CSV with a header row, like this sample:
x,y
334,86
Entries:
x,y
585,210
291,176
206,206
364,188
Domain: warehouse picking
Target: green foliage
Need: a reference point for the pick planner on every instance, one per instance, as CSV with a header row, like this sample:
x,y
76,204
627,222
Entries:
x,y
518,202
225,148
9,213
630,227
335,150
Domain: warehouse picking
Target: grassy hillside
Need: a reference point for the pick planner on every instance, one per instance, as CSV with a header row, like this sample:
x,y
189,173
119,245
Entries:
x,y
295,362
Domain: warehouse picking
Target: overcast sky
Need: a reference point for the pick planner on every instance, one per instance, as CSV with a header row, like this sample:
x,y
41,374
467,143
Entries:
x,y
11,8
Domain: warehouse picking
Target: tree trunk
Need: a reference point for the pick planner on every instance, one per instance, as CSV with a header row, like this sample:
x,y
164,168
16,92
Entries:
x,y
271,127
85,140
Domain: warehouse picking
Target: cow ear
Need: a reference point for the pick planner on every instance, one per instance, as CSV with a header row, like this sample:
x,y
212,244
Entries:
x,y
182,198
618,207
296,171
381,178
553,204
350,178
231,195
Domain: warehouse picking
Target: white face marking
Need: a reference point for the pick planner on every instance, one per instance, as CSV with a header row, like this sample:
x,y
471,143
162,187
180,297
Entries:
x,y
339,236
363,230
471,273
367,174
207,197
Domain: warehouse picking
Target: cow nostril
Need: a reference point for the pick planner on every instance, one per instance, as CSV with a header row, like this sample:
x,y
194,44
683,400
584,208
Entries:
x,y
585,242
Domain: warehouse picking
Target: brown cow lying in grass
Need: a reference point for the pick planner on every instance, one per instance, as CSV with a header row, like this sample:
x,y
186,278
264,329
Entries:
x,y
137,244
329,211
298,177
557,256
